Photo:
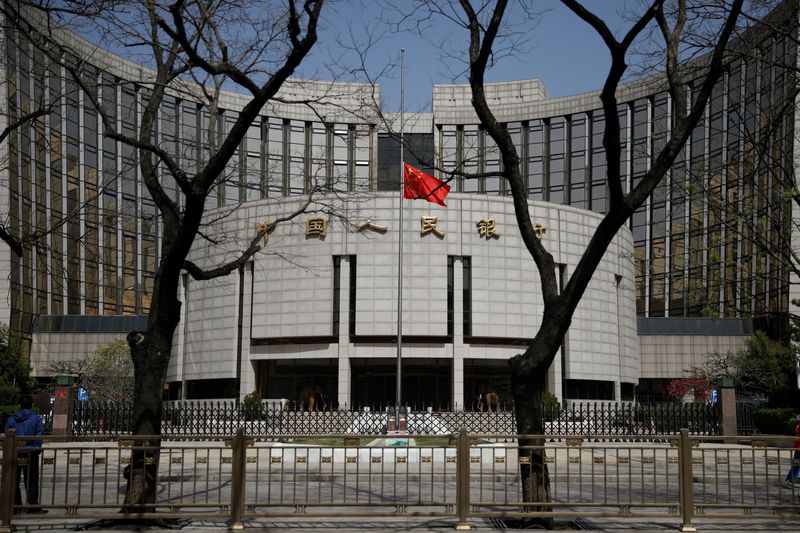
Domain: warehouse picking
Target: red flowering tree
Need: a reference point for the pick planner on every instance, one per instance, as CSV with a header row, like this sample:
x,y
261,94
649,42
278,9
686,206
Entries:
x,y
697,386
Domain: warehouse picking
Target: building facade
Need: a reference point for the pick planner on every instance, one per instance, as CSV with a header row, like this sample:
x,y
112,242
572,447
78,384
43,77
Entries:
x,y
691,275
319,308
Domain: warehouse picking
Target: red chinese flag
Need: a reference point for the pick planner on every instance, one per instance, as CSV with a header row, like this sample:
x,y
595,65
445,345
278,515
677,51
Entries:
x,y
417,184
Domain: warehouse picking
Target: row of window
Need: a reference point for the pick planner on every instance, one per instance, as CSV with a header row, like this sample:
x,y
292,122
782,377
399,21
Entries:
x,y
693,239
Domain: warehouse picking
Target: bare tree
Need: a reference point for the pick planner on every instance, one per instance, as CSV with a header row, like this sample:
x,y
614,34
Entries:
x,y
484,23
211,44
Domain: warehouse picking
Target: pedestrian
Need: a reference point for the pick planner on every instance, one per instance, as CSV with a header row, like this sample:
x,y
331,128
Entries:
x,y
794,470
27,424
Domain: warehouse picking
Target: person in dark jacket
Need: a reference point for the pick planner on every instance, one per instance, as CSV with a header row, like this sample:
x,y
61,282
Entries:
x,y
27,424
794,470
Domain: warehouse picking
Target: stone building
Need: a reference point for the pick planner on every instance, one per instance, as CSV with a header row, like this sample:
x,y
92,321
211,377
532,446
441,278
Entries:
x,y
319,309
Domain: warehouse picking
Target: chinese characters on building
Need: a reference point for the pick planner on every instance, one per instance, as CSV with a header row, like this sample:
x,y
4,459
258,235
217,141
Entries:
x,y
428,225
318,227
369,224
487,228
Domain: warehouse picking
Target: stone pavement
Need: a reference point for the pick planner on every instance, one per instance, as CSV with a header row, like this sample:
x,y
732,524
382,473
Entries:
x,y
412,524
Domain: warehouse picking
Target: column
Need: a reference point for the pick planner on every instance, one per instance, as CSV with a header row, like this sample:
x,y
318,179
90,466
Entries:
x,y
344,378
458,335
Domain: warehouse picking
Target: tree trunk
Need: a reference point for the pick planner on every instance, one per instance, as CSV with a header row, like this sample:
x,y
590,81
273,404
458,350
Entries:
x,y
528,384
150,352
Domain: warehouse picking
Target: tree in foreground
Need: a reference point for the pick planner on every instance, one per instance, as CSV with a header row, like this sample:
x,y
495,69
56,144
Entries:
x,y
254,46
668,20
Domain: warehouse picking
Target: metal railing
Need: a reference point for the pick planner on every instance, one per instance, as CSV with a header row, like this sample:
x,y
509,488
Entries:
x,y
459,477
224,418
744,419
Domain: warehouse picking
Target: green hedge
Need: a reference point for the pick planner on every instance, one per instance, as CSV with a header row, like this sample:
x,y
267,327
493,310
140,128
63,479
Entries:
x,y
5,412
551,407
774,421
9,395
251,406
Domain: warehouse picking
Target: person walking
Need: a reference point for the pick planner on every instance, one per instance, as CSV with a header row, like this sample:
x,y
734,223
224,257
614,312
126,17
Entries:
x,y
794,470
27,424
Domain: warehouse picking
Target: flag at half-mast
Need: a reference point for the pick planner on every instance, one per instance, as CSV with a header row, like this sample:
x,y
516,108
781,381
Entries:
x,y
417,184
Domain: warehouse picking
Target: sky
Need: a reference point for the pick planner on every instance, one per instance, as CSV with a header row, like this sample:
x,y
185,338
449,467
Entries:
x,y
562,51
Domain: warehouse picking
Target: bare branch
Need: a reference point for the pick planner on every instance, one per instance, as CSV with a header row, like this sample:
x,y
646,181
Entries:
x,y
608,96
28,117
253,247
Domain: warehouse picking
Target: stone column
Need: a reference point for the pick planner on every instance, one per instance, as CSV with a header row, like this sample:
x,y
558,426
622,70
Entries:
x,y
62,406
727,409
457,347
343,346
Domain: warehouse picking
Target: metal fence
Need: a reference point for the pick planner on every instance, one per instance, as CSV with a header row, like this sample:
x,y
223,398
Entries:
x,y
224,418
744,419
746,402
459,477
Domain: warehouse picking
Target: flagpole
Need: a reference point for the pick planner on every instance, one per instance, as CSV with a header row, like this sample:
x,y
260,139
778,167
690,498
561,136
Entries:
x,y
400,251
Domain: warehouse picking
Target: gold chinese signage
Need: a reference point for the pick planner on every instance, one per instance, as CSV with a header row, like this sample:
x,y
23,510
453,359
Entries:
x,y
487,228
265,228
316,227
428,225
370,225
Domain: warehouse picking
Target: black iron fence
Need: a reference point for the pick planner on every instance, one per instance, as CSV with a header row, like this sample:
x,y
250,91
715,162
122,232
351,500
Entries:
x,y
744,419
745,403
632,419
225,417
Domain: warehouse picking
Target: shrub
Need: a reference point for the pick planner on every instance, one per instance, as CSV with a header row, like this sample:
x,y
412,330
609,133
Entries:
x,y
9,395
251,406
551,406
774,421
5,412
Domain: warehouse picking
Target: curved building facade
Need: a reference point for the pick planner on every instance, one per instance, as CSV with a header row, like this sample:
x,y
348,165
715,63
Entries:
x,y
691,275
319,308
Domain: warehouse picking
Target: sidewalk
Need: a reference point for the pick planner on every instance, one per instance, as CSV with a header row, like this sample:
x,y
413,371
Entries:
x,y
391,525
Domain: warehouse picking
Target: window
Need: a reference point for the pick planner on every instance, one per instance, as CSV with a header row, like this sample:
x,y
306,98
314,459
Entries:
x,y
599,189
275,157
471,151
450,295
536,151
467,296
577,161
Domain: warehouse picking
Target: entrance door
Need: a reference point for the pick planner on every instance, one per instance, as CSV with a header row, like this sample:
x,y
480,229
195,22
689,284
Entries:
x,y
426,383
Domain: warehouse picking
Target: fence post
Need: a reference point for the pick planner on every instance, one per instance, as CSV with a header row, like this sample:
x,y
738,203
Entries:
x,y
63,404
237,488
686,477
8,481
462,479
727,410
